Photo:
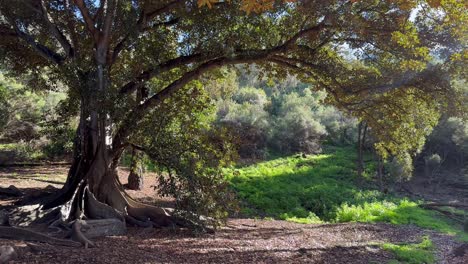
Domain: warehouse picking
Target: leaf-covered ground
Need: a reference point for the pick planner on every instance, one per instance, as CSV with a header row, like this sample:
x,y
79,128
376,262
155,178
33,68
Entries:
x,y
251,241
241,241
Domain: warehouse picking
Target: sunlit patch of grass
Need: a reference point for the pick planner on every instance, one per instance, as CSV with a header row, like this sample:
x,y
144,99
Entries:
x,y
4,147
412,253
323,188
399,212
310,219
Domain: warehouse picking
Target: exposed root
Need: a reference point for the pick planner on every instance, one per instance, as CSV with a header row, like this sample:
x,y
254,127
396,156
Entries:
x,y
160,217
9,232
131,220
58,225
97,210
78,236
102,227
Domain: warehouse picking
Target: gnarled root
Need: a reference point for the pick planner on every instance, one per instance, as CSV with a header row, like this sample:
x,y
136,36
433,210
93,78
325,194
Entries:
x,y
78,236
10,232
133,221
97,210
160,217
102,227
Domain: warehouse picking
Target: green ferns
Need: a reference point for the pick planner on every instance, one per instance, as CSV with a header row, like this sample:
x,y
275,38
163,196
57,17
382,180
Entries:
x,y
323,188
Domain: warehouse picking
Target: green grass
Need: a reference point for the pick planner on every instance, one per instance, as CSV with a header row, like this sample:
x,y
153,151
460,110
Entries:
x,y
21,151
323,188
8,147
412,253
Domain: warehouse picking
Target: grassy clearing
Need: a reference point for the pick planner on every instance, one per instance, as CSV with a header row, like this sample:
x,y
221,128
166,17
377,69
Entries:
x,y
21,151
323,188
412,253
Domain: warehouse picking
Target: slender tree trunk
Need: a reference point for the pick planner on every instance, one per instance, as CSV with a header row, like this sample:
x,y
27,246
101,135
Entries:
x,y
360,165
380,173
135,177
362,131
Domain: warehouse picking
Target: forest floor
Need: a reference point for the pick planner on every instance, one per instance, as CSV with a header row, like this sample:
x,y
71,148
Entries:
x,y
240,241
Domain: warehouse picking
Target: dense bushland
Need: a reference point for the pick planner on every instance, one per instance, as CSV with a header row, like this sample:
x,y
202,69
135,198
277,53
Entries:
x,y
271,118
34,125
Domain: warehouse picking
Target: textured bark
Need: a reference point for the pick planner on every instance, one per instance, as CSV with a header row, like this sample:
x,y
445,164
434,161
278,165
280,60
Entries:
x,y
362,130
135,177
101,227
93,190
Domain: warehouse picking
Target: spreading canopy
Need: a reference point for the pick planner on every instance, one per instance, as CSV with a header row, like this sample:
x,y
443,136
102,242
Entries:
x,y
386,62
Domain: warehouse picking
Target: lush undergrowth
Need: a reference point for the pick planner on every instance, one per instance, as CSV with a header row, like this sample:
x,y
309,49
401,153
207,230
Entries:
x,y
324,188
412,253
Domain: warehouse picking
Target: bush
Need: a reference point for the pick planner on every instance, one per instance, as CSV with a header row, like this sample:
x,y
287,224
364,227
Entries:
x,y
449,140
20,130
250,95
61,135
248,123
401,169
297,132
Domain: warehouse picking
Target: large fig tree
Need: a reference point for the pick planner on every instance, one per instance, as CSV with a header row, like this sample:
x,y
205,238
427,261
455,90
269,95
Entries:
x,y
123,59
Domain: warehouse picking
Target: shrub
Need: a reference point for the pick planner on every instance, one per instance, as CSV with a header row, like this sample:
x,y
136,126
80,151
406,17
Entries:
x,y
401,168
296,127
251,96
249,124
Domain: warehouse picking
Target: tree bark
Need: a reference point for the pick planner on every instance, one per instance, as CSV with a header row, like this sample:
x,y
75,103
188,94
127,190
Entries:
x,y
92,189
360,163
135,177
380,172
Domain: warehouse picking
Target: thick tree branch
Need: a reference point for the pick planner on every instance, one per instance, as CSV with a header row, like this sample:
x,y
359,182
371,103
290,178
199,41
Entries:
x,y
42,50
121,45
110,13
71,26
54,30
148,74
183,60
244,56
102,45
100,11
89,22
142,26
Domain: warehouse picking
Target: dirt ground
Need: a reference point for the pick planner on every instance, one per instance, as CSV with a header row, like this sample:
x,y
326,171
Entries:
x,y
240,241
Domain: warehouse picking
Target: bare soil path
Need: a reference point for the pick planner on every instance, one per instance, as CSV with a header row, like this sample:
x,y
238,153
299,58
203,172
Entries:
x,y
240,241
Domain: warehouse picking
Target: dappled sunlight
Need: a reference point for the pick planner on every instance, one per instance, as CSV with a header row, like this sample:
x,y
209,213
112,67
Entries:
x,y
38,176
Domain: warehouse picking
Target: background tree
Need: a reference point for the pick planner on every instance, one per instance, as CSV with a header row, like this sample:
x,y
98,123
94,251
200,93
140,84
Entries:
x,y
106,51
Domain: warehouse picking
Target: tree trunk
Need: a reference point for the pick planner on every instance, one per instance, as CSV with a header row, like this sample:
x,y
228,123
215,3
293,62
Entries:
x,y
380,173
362,130
360,165
92,189
135,177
